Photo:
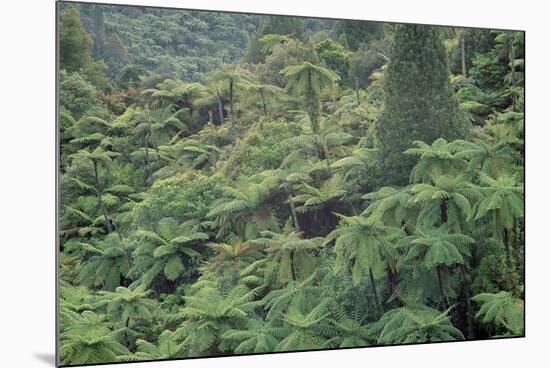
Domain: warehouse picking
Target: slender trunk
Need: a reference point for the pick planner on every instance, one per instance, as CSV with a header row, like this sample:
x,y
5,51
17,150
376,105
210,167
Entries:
x,y
157,151
312,105
501,235
317,152
100,200
517,243
327,158
463,54
441,289
147,140
467,297
126,337
512,71
106,214
118,232
292,271
374,292
443,211
220,106
443,214
293,210
357,90
233,122
264,105
147,160
506,246
391,280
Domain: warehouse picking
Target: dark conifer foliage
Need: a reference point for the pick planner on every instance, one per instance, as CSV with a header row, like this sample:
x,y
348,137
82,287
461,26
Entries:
x,y
418,101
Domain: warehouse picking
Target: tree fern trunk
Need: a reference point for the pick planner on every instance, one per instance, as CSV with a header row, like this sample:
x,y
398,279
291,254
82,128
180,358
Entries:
x,y
147,160
293,211
233,122
264,105
292,270
391,280
463,56
327,158
356,80
220,106
506,241
157,151
468,302
502,235
517,243
512,70
312,106
100,199
441,289
443,211
374,292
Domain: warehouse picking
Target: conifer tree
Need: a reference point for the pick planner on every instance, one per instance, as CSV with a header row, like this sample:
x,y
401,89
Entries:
x,y
76,49
419,103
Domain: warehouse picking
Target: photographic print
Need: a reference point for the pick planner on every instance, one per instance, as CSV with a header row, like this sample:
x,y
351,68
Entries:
x,y
234,183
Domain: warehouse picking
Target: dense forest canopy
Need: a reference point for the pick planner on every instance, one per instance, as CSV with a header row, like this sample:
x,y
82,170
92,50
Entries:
x,y
236,184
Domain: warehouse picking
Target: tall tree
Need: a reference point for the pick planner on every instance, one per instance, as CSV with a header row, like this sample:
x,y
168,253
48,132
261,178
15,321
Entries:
x,y
419,103
353,33
308,80
293,26
76,49
226,80
99,158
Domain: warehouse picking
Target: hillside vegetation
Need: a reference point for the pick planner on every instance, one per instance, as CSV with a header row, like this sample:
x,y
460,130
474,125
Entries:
x,y
236,184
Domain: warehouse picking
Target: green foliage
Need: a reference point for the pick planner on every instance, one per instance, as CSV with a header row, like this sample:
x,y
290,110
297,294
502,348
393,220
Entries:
x,y
308,80
290,257
206,210
76,49
363,245
163,251
335,57
314,199
76,94
167,348
130,76
184,196
107,263
504,311
419,104
436,247
257,336
362,64
293,26
503,197
303,323
211,312
87,340
291,52
353,33
415,325
230,259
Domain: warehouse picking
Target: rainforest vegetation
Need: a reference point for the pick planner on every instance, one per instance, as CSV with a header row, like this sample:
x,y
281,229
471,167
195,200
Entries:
x,y
236,184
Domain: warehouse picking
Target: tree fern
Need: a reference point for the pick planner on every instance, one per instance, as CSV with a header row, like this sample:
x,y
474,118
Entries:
x,y
415,325
504,311
165,251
